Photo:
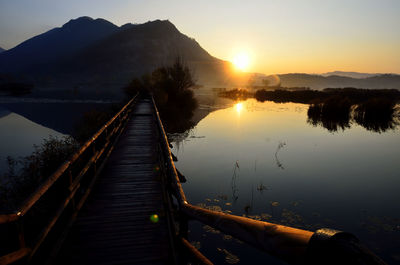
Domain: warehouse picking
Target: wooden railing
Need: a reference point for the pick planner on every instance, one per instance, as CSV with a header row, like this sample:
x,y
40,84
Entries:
x,y
42,221
296,246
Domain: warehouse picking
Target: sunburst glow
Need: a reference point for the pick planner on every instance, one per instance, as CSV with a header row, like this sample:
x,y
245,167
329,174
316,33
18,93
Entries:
x,y
241,61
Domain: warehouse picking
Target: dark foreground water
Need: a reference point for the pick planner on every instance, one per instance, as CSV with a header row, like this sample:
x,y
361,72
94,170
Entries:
x,y
265,161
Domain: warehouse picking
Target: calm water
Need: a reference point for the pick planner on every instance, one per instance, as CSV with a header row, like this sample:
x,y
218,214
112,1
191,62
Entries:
x,y
265,161
18,135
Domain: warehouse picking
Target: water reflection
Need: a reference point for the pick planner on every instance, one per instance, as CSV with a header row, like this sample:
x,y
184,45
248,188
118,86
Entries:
x,y
239,107
376,117
371,120
14,139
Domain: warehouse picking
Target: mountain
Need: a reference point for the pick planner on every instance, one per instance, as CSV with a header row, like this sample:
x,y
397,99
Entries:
x,y
41,51
1,50
142,48
320,82
350,74
88,53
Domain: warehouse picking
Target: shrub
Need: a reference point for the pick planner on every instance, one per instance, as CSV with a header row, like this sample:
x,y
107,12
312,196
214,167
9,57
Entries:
x,y
26,173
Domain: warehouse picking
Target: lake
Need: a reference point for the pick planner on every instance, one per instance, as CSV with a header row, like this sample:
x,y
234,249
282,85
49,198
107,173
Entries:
x,y
265,161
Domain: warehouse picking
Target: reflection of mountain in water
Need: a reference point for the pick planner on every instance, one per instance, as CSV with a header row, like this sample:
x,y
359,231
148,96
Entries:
x,y
4,112
60,117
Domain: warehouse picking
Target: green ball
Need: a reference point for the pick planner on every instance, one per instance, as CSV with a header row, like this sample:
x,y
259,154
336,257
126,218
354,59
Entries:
x,y
154,218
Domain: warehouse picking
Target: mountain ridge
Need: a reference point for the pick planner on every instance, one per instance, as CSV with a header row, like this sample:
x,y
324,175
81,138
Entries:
x,y
358,75
314,81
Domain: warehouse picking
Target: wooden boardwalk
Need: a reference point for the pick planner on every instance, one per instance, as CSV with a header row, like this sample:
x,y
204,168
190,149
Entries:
x,y
114,226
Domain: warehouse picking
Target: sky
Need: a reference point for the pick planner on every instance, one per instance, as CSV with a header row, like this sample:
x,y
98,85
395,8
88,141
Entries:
x,y
278,36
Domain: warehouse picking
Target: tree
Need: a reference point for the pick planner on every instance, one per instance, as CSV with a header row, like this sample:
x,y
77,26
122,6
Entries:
x,y
171,88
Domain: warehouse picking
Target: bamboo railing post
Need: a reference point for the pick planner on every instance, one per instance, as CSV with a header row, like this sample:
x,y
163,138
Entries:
x,y
95,160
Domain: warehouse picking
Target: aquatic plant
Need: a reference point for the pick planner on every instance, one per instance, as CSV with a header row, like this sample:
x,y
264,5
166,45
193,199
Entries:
x,y
235,175
280,146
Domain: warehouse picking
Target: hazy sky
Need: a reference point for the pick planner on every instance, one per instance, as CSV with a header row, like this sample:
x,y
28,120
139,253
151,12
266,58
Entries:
x,y
280,36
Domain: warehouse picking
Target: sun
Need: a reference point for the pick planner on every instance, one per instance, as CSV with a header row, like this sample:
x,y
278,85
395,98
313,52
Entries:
x,y
241,61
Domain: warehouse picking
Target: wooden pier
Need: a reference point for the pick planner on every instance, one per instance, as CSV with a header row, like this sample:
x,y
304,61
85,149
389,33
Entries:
x,y
114,226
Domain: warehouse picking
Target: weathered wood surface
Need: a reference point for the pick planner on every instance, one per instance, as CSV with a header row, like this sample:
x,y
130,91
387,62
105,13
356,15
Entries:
x,y
114,226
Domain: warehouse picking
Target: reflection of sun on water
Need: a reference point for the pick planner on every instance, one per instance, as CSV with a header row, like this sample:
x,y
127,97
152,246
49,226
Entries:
x,y
239,107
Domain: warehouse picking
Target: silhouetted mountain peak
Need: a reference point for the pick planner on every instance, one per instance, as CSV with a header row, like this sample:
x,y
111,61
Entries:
x,y
159,28
2,50
83,22
78,20
56,43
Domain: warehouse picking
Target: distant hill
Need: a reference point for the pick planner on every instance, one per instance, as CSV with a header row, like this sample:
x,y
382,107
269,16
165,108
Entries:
x,y
88,52
334,81
1,50
350,74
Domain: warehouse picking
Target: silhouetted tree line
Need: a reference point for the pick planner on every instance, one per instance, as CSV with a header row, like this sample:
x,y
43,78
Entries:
x,y
355,95
170,86
237,94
